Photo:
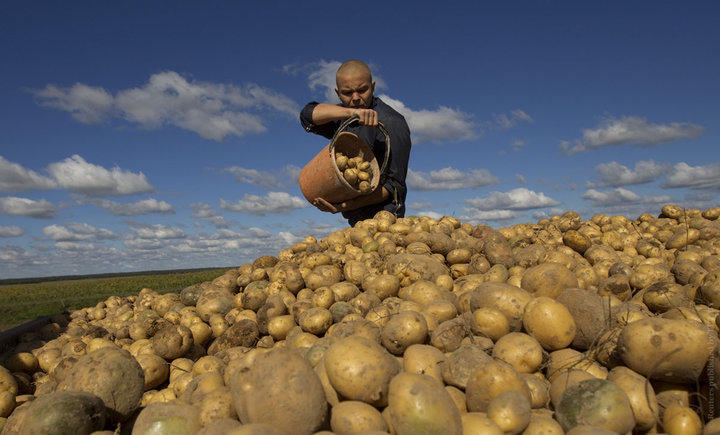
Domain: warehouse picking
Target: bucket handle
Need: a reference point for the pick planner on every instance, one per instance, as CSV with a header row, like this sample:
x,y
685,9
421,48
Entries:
x,y
382,129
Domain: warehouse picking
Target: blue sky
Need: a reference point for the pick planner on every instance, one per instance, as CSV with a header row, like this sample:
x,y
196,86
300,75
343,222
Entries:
x,y
156,135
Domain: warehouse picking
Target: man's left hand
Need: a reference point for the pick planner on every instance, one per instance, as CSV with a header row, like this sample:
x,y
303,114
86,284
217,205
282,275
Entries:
x,y
323,205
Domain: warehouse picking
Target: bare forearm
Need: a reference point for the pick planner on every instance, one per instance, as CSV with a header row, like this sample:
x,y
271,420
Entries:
x,y
379,195
324,113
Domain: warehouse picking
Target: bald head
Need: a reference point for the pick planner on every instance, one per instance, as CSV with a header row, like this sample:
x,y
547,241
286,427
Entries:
x,y
355,87
354,67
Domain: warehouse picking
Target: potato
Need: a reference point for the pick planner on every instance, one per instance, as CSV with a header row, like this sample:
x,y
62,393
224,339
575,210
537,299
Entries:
x,y
280,388
591,314
549,322
489,322
539,389
172,342
315,320
548,279
565,380
155,370
641,396
458,398
350,357
577,241
113,375
448,335
215,405
543,426
488,381
510,410
167,417
242,333
420,404
7,381
479,423
62,412
567,359
425,360
402,330
519,350
681,420
457,367
322,276
383,286
510,300
412,267
671,350
351,417
595,402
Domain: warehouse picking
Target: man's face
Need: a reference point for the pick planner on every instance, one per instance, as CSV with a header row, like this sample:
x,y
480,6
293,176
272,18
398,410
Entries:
x,y
355,90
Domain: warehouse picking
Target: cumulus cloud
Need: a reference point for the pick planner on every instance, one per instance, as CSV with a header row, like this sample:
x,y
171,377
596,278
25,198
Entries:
x,y
613,174
631,130
265,178
75,174
145,206
439,125
87,104
449,179
273,202
541,214
11,231
15,178
157,231
17,256
620,196
418,205
77,231
431,214
203,211
521,178
14,206
212,110
74,246
505,121
475,216
516,199
694,177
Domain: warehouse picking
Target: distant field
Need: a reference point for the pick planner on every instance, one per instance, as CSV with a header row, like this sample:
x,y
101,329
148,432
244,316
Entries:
x,y
22,302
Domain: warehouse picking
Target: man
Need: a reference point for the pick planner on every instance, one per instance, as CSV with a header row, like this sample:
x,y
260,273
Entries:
x,y
356,88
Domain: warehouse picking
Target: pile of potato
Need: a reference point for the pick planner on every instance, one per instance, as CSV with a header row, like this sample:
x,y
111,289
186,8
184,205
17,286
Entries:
x,y
403,326
356,171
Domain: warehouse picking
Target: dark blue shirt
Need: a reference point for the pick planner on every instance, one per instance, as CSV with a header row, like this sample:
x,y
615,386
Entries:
x,y
394,180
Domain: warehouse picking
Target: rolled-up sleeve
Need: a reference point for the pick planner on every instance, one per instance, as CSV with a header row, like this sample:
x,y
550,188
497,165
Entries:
x,y
326,130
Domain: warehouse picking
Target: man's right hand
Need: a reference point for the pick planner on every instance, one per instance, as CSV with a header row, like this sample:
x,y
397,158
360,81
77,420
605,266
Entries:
x,y
365,116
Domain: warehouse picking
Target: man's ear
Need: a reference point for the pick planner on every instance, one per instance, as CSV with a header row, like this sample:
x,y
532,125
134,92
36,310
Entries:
x,y
373,87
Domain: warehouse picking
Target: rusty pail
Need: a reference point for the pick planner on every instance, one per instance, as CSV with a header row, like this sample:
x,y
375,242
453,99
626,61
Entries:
x,y
321,178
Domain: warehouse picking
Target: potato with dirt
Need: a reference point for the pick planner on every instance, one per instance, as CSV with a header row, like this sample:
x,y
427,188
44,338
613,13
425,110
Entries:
x,y
595,402
113,375
419,404
281,389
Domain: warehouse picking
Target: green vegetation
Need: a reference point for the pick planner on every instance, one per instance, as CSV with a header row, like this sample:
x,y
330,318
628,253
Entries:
x,y
22,302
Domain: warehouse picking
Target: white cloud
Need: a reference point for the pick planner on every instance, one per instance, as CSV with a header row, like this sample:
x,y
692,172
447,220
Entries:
x,y
620,196
157,231
431,214
74,173
145,206
475,216
516,199
440,125
16,178
631,130
279,178
77,231
289,238
694,177
505,121
449,179
521,178
613,174
212,110
273,202
87,104
323,78
74,246
15,206
11,231
418,205
18,256
541,214
203,211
